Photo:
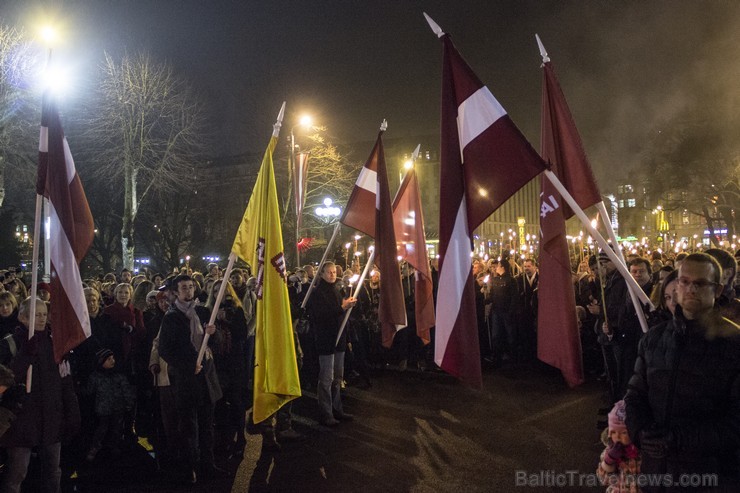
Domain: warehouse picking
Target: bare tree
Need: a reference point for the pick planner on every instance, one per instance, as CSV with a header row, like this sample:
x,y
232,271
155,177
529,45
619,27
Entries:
x,y
330,174
148,132
692,165
19,107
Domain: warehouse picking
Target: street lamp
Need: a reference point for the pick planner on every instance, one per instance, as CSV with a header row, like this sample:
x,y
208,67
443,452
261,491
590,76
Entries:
x,y
306,122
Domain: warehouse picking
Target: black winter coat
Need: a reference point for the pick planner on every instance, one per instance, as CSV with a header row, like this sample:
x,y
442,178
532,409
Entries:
x,y
177,350
325,313
687,381
50,411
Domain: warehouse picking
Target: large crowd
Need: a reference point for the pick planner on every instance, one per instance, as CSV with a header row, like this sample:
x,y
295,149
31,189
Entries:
x,y
673,393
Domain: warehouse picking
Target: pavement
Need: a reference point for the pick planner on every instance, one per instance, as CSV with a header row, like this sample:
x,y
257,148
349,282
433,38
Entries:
x,y
413,432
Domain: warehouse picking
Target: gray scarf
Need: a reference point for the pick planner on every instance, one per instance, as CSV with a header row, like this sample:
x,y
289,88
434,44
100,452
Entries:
x,y
196,328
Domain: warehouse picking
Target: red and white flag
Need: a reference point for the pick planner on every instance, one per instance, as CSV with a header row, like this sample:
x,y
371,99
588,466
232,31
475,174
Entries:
x,y
558,337
408,221
71,231
484,160
299,183
371,192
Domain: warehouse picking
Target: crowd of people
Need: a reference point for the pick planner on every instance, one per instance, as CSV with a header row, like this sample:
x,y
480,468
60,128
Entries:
x,y
673,394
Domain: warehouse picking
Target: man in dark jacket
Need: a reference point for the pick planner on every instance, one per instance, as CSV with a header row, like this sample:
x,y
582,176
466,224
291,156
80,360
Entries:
x,y
196,385
326,311
683,401
614,299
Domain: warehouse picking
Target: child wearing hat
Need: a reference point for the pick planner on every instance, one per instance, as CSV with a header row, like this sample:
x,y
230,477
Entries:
x,y
619,463
113,398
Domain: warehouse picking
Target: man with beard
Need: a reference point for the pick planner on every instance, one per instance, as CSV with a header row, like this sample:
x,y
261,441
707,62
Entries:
x,y
196,385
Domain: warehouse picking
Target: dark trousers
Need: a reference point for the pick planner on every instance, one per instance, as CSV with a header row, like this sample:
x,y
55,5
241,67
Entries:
x,y
504,335
196,430
108,431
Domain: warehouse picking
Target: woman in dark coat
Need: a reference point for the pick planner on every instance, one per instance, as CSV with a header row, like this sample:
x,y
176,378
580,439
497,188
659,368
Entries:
x,y
50,411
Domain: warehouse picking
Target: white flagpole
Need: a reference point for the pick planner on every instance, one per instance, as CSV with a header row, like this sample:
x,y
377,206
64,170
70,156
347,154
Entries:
x,y
356,294
613,256
34,282
633,296
323,259
216,305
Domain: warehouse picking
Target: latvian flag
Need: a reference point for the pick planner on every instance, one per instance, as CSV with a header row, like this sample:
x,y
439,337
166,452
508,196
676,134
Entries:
x,y
371,193
71,232
484,159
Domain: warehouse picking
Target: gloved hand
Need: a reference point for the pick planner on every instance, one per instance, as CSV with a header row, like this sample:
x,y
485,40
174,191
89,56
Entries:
x,y
654,442
613,453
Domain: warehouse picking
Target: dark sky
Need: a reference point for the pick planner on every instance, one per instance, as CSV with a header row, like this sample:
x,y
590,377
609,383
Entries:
x,y
628,68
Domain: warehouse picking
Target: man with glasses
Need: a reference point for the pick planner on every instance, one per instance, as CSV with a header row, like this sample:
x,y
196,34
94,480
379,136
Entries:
x,y
683,401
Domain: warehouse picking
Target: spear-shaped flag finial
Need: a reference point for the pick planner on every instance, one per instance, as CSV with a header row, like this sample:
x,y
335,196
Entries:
x,y
543,51
279,122
415,154
435,27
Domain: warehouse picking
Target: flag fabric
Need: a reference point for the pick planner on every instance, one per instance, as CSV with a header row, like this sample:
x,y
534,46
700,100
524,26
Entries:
x,y
299,184
71,232
484,160
564,143
371,192
408,222
558,338
259,242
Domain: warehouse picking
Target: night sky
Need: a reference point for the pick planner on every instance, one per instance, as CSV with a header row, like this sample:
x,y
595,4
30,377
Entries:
x,y
629,69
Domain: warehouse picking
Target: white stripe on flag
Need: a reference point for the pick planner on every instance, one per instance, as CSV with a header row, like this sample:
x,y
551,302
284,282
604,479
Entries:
x,y
368,180
452,277
69,162
65,264
44,140
476,114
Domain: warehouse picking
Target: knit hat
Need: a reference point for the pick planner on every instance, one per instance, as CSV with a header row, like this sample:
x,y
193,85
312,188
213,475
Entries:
x,y
617,416
152,294
103,354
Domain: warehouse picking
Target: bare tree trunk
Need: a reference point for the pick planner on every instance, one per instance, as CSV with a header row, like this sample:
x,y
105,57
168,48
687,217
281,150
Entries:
x,y
129,217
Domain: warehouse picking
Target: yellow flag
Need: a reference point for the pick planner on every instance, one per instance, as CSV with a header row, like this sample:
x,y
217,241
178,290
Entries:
x,y
259,242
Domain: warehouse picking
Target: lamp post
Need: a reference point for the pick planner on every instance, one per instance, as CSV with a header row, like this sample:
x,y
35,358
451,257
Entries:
x,y
305,122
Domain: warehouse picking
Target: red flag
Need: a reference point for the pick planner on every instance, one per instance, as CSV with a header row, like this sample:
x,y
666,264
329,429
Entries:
x,y
484,160
564,143
301,176
71,232
371,192
408,223
558,339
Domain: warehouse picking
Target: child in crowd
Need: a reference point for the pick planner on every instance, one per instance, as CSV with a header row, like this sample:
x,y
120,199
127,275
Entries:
x,y
619,463
113,397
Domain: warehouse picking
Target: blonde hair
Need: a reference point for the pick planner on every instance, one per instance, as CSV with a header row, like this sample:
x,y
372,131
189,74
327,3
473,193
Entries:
x,y
229,292
121,286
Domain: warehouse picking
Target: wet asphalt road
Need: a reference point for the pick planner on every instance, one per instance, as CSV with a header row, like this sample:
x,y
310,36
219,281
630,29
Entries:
x,y
413,432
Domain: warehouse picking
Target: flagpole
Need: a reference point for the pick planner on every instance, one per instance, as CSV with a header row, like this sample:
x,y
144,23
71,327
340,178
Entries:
x,y
216,305
34,282
323,259
355,295
595,234
633,296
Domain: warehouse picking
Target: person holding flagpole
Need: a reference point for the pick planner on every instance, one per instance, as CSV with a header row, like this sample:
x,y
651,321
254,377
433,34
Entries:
x,y
50,411
326,310
197,388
